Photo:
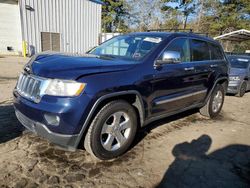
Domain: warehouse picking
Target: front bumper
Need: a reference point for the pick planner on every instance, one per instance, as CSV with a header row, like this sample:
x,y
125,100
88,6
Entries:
x,y
233,87
66,141
71,111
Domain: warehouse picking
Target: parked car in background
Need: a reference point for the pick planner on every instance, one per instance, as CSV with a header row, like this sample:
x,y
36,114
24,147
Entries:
x,y
101,99
239,76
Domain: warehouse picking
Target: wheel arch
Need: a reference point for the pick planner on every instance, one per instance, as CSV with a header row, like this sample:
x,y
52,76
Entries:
x,y
131,96
223,81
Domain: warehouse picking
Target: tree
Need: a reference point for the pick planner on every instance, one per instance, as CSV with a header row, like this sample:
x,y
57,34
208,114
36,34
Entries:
x,y
114,15
214,17
144,14
172,18
186,7
220,17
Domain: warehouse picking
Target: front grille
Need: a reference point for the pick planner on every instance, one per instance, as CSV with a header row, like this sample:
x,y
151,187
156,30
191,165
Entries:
x,y
29,87
232,87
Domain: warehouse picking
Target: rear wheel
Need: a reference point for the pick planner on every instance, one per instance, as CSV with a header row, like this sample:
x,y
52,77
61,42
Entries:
x,y
243,89
215,102
112,131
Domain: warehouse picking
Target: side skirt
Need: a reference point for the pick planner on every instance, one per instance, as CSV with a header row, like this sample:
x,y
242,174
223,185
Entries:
x,y
172,113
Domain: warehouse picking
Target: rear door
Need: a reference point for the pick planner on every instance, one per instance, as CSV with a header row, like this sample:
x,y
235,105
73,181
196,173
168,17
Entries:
x,y
217,57
200,57
218,63
175,85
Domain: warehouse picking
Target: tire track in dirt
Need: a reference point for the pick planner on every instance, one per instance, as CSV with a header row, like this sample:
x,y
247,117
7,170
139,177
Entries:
x,y
32,161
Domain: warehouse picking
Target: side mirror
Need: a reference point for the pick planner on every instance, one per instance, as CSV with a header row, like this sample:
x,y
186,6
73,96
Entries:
x,y
169,57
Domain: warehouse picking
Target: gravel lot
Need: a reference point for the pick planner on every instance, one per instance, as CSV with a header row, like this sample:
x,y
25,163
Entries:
x,y
187,150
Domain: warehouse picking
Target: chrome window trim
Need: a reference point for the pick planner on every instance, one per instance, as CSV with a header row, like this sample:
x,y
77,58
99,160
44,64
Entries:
x,y
180,97
192,38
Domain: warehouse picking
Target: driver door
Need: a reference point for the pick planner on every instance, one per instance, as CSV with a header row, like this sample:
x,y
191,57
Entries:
x,y
173,85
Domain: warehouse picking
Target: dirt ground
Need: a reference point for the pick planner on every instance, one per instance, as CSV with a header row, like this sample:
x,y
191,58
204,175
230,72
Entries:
x,y
186,150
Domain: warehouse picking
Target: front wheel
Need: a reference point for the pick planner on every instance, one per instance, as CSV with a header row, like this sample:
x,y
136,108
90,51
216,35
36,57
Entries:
x,y
112,131
215,102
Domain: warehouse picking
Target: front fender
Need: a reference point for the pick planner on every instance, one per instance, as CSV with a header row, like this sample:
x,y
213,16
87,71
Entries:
x,y
138,104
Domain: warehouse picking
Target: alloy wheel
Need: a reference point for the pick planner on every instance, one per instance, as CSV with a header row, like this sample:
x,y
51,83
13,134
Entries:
x,y
217,101
243,89
115,131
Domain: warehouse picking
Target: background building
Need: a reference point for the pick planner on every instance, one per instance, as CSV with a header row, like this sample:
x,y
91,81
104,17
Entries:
x,y
58,25
10,27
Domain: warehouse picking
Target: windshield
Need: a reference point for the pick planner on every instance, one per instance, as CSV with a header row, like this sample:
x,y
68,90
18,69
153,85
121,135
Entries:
x,y
127,47
240,63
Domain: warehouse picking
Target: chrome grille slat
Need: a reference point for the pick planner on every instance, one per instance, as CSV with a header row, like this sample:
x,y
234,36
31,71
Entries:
x,y
21,83
19,80
26,82
33,87
28,86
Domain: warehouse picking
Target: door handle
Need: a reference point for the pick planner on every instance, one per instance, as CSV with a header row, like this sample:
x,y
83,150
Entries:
x,y
214,65
189,68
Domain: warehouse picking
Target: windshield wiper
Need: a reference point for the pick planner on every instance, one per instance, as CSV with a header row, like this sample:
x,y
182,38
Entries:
x,y
107,56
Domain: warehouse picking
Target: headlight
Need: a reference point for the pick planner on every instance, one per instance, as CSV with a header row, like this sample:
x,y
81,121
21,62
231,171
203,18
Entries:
x,y
64,88
234,78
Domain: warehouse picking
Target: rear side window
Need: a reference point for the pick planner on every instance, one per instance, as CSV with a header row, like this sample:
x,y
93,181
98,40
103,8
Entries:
x,y
199,50
216,53
180,45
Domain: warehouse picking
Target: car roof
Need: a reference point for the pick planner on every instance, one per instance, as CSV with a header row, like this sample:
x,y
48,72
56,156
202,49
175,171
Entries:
x,y
176,34
239,56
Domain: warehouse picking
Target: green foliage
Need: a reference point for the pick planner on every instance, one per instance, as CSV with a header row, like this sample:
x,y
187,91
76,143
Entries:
x,y
113,16
144,14
186,8
214,17
225,16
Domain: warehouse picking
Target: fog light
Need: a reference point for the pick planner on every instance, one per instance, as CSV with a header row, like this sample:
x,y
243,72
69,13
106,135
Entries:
x,y
52,119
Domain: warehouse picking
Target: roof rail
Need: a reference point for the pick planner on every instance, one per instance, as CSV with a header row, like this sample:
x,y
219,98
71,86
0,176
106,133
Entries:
x,y
177,30
237,53
170,30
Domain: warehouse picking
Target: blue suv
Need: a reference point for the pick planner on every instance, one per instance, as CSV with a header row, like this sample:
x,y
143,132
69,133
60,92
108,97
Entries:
x,y
239,75
99,100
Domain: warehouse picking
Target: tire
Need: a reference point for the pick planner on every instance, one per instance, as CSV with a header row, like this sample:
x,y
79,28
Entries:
x,y
242,90
212,110
107,137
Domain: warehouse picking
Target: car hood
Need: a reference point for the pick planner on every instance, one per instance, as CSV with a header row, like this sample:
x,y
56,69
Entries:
x,y
72,67
238,71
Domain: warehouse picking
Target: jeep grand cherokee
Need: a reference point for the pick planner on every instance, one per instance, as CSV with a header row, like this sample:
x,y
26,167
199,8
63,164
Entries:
x,y
100,100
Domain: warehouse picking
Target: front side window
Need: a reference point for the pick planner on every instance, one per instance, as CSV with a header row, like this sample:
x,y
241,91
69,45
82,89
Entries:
x,y
199,50
127,47
181,46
